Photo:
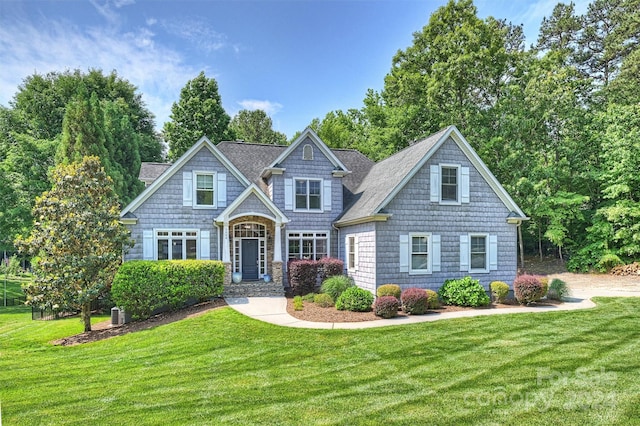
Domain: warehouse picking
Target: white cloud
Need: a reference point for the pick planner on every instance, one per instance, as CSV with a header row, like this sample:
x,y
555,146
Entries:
x,y
196,32
28,47
271,108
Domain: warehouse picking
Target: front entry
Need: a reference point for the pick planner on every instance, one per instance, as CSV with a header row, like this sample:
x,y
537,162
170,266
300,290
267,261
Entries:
x,y
250,259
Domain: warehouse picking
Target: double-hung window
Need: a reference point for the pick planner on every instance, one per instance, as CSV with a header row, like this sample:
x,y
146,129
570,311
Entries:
x,y
308,245
419,253
449,184
308,195
204,189
478,252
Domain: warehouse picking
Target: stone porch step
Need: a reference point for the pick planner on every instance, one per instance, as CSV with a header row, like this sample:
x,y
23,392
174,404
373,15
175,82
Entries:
x,y
253,289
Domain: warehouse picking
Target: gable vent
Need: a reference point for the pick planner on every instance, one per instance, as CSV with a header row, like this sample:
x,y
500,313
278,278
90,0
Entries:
x,y
307,152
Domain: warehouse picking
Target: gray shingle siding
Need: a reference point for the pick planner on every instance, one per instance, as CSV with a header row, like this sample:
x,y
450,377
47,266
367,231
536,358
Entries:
x,y
164,209
365,275
413,212
318,168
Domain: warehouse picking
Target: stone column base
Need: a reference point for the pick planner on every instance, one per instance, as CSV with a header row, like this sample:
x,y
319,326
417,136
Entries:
x,y
227,274
276,272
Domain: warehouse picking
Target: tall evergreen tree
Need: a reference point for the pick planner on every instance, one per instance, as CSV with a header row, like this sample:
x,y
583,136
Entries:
x,y
198,113
256,126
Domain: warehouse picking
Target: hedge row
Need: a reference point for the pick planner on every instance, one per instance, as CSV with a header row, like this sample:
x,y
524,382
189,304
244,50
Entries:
x,y
141,287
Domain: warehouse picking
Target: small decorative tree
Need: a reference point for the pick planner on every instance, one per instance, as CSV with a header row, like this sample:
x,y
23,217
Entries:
x,y
77,239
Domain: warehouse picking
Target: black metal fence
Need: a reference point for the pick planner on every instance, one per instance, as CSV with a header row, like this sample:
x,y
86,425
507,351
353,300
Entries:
x,y
47,313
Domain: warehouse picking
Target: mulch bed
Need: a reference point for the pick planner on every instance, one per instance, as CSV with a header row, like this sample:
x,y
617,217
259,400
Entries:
x,y
315,313
104,330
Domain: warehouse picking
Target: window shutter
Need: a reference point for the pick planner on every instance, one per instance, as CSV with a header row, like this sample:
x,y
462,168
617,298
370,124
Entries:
x,y
326,195
205,245
464,177
434,183
346,252
187,189
288,194
355,253
464,252
147,244
222,190
493,252
404,253
435,253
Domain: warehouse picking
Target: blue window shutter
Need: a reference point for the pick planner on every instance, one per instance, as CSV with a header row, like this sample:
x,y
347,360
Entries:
x,y
464,252
326,195
205,245
404,253
187,189
464,177
147,244
355,252
434,183
288,194
222,190
493,252
435,253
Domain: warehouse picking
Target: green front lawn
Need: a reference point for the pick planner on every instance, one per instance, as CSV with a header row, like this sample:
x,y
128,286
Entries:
x,y
13,285
580,367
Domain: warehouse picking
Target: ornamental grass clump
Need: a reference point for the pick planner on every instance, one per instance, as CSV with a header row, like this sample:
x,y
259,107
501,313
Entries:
x,y
389,290
557,289
414,301
528,289
499,290
336,285
355,299
386,306
463,292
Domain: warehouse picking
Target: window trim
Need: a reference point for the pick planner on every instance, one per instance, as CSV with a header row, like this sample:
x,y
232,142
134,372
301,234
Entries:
x,y
429,269
487,248
458,200
197,173
295,195
170,237
315,238
352,249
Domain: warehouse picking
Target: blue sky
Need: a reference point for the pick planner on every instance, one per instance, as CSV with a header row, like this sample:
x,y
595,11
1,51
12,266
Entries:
x,y
295,59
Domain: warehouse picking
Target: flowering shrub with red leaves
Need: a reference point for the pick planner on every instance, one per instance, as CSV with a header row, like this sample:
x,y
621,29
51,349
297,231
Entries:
x,y
528,289
414,301
386,306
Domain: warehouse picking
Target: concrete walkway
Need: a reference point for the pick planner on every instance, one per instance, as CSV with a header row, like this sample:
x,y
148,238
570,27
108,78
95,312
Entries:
x,y
274,310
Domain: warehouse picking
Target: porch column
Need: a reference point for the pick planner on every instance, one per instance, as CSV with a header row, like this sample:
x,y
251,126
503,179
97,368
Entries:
x,y
226,258
277,243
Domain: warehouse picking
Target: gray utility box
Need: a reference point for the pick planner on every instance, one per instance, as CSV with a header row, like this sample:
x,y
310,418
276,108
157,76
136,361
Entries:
x,y
117,316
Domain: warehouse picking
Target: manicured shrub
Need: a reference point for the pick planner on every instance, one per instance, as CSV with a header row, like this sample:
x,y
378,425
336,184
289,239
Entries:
x,y
500,290
308,297
354,299
298,303
329,267
142,287
463,292
433,302
528,289
414,301
386,306
557,289
335,285
323,300
545,285
389,290
302,276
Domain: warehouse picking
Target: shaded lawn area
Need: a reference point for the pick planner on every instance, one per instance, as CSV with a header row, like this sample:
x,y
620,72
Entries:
x,y
579,367
14,286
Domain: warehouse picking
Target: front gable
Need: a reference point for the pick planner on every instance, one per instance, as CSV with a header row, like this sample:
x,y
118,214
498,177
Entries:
x,y
179,184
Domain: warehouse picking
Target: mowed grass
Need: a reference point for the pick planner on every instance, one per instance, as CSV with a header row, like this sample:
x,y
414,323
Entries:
x,y
579,368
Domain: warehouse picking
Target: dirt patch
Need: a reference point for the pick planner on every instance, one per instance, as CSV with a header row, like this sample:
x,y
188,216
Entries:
x,y
104,330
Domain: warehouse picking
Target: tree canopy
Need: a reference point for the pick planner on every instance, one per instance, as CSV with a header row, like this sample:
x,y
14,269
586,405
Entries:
x,y
256,126
198,113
